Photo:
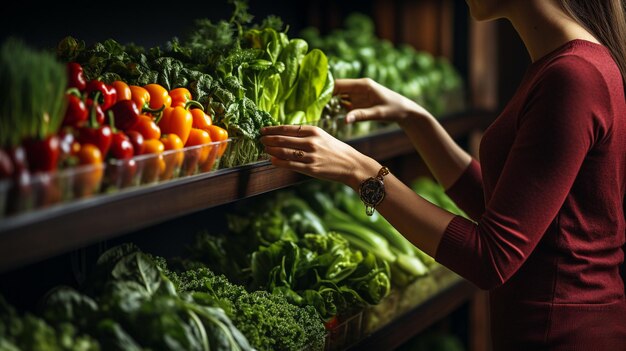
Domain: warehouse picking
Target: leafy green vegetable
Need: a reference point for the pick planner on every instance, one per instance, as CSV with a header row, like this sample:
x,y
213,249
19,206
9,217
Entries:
x,y
354,51
33,84
267,320
29,332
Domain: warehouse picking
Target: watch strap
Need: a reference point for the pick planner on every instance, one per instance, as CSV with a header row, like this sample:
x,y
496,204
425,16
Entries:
x,y
369,206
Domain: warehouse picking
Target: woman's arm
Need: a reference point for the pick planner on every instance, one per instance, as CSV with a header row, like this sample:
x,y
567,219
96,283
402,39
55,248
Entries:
x,y
369,100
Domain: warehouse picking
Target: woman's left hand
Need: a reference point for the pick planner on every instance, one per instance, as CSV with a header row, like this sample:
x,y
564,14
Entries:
x,y
312,151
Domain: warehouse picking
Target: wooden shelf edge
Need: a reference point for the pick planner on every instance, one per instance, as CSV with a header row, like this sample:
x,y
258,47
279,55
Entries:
x,y
31,237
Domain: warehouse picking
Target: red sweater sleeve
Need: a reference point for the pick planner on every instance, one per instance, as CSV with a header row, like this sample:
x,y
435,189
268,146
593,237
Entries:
x,y
561,119
467,191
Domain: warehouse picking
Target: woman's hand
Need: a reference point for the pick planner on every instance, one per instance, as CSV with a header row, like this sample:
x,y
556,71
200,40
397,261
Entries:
x,y
312,151
368,100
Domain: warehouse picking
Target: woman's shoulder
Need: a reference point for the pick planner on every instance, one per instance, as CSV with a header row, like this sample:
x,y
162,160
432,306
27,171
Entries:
x,y
581,64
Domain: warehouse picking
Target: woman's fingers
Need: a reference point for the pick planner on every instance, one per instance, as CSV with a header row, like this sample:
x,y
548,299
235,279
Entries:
x,y
378,112
289,154
289,130
349,86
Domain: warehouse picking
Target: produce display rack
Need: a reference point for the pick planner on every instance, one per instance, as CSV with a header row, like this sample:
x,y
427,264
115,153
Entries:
x,y
35,236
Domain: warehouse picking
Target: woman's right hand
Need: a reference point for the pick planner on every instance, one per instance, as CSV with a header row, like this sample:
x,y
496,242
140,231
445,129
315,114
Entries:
x,y
368,100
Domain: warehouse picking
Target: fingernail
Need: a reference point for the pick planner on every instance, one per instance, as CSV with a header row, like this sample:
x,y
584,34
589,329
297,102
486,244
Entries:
x,y
349,118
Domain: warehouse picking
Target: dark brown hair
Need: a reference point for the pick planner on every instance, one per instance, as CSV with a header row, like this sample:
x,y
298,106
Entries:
x,y
606,20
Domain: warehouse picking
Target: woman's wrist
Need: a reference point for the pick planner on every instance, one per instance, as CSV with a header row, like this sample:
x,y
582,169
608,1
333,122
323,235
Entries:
x,y
415,115
364,168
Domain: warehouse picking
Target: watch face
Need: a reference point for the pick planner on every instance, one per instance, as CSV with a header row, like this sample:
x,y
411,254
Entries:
x,y
372,191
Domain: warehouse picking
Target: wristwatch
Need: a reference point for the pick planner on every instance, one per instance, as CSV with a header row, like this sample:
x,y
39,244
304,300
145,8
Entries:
x,y
372,191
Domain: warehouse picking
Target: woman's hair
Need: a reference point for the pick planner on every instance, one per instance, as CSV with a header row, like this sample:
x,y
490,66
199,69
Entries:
x,y
606,20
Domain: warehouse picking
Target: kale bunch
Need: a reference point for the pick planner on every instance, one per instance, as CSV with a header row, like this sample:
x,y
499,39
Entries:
x,y
267,320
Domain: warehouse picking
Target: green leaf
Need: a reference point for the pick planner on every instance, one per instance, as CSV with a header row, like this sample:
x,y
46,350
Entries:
x,y
312,84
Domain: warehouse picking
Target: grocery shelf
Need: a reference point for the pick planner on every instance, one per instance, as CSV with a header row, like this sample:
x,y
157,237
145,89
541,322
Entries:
x,y
432,307
33,236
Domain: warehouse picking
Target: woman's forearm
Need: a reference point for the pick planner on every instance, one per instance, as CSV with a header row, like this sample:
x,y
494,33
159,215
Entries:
x,y
444,157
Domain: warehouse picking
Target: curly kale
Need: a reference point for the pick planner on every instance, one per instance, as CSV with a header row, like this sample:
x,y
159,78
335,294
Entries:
x,y
268,321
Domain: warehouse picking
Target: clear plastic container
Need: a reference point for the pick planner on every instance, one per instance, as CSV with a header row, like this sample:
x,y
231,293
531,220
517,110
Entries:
x,y
242,151
171,164
36,191
345,334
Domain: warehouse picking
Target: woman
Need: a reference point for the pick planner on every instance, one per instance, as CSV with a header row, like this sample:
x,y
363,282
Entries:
x,y
547,195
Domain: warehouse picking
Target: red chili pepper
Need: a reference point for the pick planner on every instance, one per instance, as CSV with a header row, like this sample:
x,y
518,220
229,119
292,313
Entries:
x,y
103,93
42,154
76,112
126,114
75,76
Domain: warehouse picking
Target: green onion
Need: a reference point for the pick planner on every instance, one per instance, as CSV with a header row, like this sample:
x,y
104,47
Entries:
x,y
32,83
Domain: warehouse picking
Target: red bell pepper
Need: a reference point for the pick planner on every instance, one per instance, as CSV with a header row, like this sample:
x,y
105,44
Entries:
x,y
76,112
75,76
121,147
104,94
6,166
95,111
96,133
101,137
137,140
42,154
126,114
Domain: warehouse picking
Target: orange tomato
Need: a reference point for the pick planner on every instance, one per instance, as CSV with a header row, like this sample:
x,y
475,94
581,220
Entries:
x,y
159,96
178,121
89,154
87,181
147,128
122,89
200,118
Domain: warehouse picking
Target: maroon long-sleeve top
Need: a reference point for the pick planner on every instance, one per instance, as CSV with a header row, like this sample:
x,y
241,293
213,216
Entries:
x,y
546,202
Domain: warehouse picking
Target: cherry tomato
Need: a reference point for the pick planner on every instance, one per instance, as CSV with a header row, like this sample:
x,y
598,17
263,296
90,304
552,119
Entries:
x,y
89,154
